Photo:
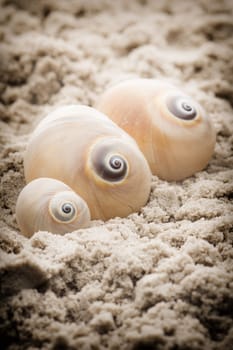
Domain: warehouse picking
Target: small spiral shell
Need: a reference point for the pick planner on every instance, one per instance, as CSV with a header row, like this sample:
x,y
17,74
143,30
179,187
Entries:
x,y
49,205
83,148
172,130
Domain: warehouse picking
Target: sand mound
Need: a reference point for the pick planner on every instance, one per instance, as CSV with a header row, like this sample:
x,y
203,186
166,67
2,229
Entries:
x,y
158,279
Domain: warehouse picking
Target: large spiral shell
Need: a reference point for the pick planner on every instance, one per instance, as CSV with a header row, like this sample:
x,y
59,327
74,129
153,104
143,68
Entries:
x,y
172,130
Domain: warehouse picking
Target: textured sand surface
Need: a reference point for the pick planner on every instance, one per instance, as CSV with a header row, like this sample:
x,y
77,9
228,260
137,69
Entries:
x,y
158,279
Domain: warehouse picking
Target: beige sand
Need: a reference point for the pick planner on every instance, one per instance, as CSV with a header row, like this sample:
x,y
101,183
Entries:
x,y
158,279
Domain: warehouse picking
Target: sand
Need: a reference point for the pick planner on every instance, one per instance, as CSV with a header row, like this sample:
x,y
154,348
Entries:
x,y
158,279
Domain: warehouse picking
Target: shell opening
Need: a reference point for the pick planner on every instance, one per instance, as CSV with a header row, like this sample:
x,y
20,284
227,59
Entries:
x,y
181,107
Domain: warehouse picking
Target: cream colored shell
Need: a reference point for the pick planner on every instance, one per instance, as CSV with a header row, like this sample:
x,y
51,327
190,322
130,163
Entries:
x,y
83,148
174,147
49,205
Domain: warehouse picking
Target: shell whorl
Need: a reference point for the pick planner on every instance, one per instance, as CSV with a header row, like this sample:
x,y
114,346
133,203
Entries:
x,y
107,162
61,209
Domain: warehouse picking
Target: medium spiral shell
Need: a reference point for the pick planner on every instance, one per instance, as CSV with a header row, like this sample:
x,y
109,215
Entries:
x,y
84,149
49,205
172,130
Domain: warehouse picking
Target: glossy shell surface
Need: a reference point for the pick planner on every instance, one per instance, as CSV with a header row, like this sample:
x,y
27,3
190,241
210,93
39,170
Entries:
x,y
172,130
